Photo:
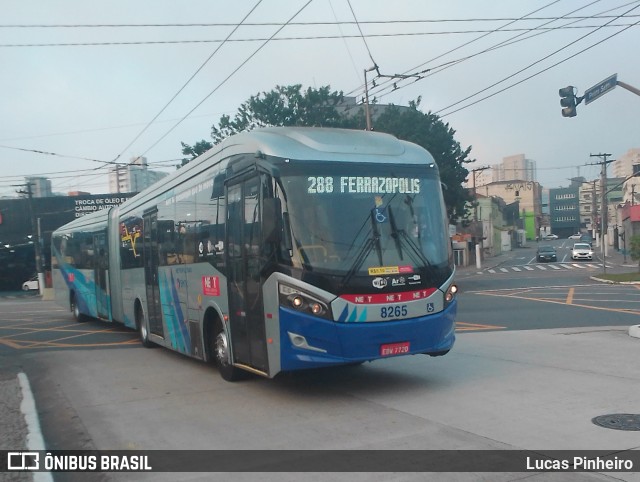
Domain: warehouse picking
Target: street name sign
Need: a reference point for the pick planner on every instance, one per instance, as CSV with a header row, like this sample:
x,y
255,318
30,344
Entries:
x,y
600,89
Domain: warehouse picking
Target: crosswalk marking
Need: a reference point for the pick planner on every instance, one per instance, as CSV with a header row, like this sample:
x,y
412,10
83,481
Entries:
x,y
542,267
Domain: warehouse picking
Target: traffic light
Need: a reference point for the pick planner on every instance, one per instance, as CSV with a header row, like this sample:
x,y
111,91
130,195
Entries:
x,y
568,101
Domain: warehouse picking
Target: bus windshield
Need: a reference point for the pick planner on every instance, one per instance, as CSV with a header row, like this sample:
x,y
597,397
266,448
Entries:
x,y
354,218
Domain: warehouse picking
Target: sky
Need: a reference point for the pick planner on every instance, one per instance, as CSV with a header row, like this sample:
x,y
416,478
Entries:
x,y
86,84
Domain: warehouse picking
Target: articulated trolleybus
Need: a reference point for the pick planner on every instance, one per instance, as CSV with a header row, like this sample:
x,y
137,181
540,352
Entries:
x,y
277,250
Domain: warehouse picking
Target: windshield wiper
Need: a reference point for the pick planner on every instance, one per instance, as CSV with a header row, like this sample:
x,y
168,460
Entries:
x,y
396,234
370,243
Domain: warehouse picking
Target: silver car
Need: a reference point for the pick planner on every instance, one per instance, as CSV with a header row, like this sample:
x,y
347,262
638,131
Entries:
x,y
581,251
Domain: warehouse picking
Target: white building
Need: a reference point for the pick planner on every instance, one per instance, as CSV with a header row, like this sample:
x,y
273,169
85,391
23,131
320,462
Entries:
x,y
514,168
133,177
623,166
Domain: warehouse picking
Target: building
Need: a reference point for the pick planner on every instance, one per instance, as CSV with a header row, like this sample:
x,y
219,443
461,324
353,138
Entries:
x,y
514,168
19,231
40,186
133,177
528,196
564,209
623,166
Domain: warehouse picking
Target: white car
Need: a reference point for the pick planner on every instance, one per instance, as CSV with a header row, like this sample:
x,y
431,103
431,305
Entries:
x,y
549,236
581,251
575,236
31,284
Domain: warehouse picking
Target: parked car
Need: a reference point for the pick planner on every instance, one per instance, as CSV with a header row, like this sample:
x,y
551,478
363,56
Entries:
x,y
581,251
546,253
549,236
30,284
575,236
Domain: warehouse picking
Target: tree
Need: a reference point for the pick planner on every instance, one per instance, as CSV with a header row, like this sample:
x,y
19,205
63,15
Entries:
x,y
284,106
428,131
290,106
634,251
194,151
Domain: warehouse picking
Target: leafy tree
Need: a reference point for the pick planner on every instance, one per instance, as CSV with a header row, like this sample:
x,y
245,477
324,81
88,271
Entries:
x,y
194,151
428,131
635,249
291,106
284,106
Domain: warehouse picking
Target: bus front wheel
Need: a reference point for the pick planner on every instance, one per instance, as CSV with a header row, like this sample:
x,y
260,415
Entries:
x,y
143,331
222,354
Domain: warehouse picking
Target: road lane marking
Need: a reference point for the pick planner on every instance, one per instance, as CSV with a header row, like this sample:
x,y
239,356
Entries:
x,y
628,311
474,327
569,300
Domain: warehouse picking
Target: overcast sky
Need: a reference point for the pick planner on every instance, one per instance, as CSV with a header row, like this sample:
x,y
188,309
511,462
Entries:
x,y
82,103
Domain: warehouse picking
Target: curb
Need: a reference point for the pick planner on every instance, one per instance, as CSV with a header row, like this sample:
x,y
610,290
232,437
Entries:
x,y
634,331
35,440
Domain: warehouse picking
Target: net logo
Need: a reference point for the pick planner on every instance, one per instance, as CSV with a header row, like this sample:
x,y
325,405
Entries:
x,y
23,461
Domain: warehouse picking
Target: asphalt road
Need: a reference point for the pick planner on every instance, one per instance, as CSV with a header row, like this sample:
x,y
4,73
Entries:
x,y
531,368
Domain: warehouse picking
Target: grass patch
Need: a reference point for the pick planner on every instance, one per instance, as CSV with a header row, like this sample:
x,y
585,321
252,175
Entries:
x,y
620,277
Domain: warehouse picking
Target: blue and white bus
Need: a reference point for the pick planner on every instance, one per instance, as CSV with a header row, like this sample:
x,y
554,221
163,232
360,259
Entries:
x,y
277,250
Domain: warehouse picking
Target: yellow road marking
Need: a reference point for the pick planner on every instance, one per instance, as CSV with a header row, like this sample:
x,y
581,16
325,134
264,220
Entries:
x,y
617,310
462,326
570,296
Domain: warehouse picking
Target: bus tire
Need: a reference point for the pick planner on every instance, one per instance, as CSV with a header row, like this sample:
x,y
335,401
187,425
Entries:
x,y
143,330
75,310
222,355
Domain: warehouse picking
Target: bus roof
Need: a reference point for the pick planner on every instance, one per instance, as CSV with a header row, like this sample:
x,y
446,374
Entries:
x,y
300,143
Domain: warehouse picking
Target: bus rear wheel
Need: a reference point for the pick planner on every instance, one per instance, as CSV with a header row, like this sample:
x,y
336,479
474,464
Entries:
x,y
222,353
75,310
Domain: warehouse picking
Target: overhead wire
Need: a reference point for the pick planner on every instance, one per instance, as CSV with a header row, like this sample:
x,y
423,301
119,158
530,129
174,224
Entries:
x,y
543,70
226,79
198,70
464,44
293,38
293,24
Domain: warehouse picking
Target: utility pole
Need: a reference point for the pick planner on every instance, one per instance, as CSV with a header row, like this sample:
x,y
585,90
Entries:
x,y
35,233
475,195
604,211
367,111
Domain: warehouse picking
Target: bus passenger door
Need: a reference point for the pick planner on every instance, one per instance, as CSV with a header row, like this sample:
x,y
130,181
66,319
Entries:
x,y
101,266
244,261
150,253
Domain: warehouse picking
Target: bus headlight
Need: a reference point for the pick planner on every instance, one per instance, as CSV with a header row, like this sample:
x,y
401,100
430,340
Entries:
x,y
302,301
450,294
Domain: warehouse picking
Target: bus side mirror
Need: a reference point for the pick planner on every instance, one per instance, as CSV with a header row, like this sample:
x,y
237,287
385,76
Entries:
x,y
271,220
